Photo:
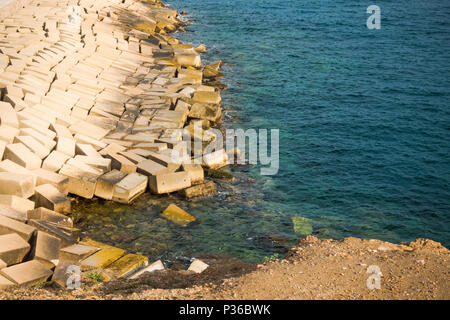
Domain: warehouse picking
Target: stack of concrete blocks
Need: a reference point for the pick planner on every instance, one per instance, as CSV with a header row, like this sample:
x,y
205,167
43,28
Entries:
x,y
89,109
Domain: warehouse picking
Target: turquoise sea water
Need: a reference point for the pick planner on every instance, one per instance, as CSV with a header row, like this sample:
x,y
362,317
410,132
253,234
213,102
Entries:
x,y
364,119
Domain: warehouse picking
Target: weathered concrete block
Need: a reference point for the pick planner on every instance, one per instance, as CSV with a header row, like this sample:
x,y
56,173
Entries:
x,y
155,266
47,196
17,184
34,145
81,183
66,145
63,271
13,214
8,225
121,163
207,97
28,273
127,265
151,168
106,183
170,182
41,225
88,129
216,159
18,153
77,252
195,171
130,187
55,161
86,150
198,266
44,176
99,163
103,258
48,215
200,190
16,203
210,112
13,248
5,283
177,215
8,133
46,249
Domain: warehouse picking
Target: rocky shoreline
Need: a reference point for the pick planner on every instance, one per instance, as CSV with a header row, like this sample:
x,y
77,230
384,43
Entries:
x,y
96,101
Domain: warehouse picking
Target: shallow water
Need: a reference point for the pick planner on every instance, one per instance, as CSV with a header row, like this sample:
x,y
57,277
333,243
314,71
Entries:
x,y
364,123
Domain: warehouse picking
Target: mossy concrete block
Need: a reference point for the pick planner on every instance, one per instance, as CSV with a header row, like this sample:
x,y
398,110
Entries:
x,y
102,258
127,265
155,266
177,215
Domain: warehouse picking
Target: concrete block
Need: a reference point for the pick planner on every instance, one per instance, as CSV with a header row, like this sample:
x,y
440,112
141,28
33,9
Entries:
x,y
41,225
16,203
106,183
121,163
99,163
170,182
55,218
177,215
102,258
81,183
13,214
34,145
200,190
44,176
48,196
8,133
28,273
66,145
86,150
55,161
195,171
45,249
130,187
127,265
13,248
21,155
8,225
17,184
198,266
77,252
155,266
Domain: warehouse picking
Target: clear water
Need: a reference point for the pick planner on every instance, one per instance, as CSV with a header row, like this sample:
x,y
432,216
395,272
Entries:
x,y
364,119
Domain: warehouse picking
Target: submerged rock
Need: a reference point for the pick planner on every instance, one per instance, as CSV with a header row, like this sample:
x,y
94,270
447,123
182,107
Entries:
x,y
302,225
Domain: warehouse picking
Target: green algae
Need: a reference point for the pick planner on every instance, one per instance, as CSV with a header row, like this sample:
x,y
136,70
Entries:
x,y
302,226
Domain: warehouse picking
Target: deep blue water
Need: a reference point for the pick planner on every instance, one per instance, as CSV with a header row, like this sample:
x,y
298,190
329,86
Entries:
x,y
364,119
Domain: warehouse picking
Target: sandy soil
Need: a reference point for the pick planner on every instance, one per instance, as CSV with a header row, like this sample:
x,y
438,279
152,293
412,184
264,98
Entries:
x,y
314,269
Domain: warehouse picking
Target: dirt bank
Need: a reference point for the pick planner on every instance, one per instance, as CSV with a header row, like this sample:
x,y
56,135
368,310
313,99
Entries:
x,y
314,269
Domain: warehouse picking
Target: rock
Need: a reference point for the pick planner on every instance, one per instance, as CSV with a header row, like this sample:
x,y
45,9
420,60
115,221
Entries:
x,y
201,48
302,225
210,72
41,225
210,112
195,171
27,273
127,265
44,176
151,168
77,252
47,196
46,249
103,258
13,248
170,182
50,216
200,190
155,266
16,184
177,215
16,203
106,183
8,225
130,187
18,153
198,266
189,59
